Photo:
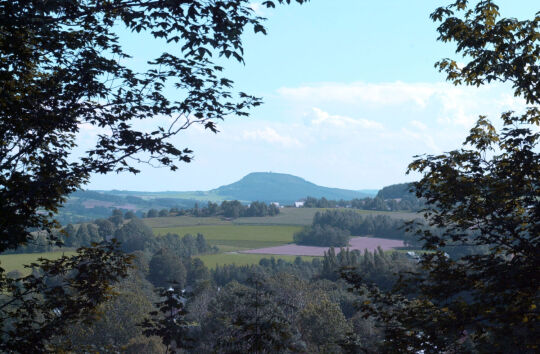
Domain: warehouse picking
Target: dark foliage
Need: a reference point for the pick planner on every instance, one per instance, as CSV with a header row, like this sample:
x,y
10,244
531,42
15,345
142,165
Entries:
x,y
167,269
169,321
229,209
134,236
325,235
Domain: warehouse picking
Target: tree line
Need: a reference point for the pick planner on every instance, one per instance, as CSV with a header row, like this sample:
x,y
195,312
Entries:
x,y
335,227
229,209
391,198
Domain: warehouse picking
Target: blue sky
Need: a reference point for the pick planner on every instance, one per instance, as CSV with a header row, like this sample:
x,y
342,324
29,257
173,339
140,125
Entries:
x,y
350,92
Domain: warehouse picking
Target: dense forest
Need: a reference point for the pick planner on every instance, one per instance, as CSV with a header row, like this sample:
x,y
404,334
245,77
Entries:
x,y
275,306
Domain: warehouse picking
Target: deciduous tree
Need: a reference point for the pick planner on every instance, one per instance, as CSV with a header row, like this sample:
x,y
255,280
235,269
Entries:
x,y
62,68
485,196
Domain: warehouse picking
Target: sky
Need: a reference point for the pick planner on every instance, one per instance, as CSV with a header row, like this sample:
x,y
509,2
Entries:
x,y
350,95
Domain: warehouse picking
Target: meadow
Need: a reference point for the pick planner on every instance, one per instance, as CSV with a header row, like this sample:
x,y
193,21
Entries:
x,y
17,261
237,237
185,220
287,216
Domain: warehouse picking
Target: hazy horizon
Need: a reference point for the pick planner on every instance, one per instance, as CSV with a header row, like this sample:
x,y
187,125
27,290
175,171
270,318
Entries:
x,y
224,184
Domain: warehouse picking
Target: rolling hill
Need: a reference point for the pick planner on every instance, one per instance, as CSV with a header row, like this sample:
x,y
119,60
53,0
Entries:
x,y
280,187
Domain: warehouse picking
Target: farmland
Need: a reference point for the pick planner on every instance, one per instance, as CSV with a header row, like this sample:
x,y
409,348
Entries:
x,y
287,216
179,221
304,216
232,237
247,240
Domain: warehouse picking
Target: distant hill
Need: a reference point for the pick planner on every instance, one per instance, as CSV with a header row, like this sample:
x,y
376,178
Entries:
x,y
280,187
85,205
262,186
397,191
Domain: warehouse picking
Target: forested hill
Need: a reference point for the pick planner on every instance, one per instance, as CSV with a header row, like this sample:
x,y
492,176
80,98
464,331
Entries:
x,y
396,191
280,187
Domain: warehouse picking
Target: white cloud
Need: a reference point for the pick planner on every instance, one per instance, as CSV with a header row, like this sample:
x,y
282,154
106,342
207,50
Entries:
x,y
443,102
379,93
270,135
322,117
88,135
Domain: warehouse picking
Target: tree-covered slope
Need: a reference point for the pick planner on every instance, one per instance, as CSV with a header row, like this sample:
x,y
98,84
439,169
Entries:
x,y
396,191
280,187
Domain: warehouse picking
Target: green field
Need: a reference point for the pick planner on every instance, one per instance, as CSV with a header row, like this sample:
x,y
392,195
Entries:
x,y
237,237
17,261
211,260
173,221
304,216
287,216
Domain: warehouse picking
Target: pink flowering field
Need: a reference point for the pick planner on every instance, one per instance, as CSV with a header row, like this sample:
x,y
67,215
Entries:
x,y
356,243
